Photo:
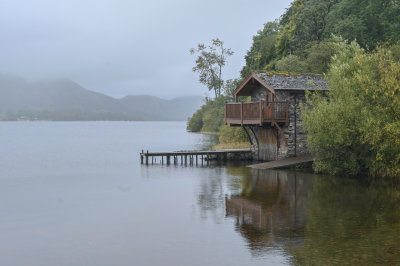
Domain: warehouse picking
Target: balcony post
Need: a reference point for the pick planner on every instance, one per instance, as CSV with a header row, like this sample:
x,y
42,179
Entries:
x,y
261,113
273,105
225,110
241,113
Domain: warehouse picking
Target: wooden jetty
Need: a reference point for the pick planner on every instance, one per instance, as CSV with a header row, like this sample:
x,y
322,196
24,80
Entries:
x,y
188,157
284,162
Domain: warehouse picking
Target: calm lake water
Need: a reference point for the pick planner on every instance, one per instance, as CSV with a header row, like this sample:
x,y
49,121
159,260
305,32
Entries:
x,y
74,193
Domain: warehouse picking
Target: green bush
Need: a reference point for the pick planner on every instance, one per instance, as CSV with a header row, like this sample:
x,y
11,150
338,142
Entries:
x,y
228,134
210,117
358,129
195,123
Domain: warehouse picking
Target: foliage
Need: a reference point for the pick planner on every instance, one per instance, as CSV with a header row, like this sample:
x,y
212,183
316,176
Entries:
x,y
358,128
209,64
262,51
291,63
195,123
228,134
230,87
210,117
367,21
319,55
286,38
305,31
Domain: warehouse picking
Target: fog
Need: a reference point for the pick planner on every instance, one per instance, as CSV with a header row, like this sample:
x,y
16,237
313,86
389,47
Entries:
x,y
123,47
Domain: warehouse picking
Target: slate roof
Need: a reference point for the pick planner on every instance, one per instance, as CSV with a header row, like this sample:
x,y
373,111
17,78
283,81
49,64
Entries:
x,y
298,82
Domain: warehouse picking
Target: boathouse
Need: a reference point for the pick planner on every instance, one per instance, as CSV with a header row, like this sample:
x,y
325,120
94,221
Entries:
x,y
272,119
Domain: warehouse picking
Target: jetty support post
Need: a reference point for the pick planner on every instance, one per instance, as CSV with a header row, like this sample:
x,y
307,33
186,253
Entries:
x,y
168,160
147,157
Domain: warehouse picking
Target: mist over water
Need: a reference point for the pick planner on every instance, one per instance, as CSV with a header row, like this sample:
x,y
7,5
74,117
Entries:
x,y
75,193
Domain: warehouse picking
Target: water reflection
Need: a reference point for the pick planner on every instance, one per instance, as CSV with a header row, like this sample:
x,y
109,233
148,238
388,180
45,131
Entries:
x,y
317,220
350,222
271,209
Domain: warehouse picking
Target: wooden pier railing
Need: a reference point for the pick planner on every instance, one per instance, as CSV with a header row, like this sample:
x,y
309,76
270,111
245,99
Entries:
x,y
188,157
254,113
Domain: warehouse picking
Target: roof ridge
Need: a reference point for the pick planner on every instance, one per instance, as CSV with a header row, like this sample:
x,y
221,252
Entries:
x,y
288,74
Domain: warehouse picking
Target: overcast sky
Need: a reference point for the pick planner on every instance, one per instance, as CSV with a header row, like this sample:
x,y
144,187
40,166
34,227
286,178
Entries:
x,y
121,47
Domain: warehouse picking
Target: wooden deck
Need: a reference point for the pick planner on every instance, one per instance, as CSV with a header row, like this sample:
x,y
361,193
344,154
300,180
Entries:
x,y
284,162
256,113
188,157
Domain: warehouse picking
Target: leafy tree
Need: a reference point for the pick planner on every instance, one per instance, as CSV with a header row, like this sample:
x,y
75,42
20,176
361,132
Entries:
x,y
262,51
291,63
358,128
319,55
209,64
210,117
285,41
366,21
230,87
195,123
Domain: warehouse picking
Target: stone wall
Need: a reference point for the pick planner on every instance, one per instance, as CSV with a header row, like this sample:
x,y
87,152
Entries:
x,y
294,132
258,94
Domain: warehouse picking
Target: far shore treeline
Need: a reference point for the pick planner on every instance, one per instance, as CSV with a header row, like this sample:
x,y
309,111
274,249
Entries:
x,y
65,100
355,45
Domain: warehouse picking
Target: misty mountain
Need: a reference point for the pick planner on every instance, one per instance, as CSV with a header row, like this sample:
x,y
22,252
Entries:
x,y
149,106
66,100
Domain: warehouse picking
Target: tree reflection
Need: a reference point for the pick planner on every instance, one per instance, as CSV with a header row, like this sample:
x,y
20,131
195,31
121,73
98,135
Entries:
x,y
270,210
314,220
351,223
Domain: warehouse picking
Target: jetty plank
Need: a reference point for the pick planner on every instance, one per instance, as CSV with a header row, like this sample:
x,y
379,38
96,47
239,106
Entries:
x,y
284,162
220,154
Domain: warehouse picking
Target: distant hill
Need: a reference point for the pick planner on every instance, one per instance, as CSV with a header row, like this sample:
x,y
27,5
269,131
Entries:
x,y
66,100
150,107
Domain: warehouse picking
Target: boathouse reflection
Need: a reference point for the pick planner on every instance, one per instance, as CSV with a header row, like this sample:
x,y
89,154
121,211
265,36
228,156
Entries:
x,y
271,209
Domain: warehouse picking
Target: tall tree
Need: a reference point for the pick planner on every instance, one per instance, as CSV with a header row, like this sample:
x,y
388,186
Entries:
x,y
209,63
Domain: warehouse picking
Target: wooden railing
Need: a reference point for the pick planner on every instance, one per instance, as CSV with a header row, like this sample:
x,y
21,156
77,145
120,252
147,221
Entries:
x,y
256,112
276,111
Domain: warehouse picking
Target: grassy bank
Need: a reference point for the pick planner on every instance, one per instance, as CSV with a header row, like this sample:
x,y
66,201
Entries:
x,y
232,145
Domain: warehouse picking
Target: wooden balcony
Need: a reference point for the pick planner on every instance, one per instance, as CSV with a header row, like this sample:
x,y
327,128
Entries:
x,y
256,113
